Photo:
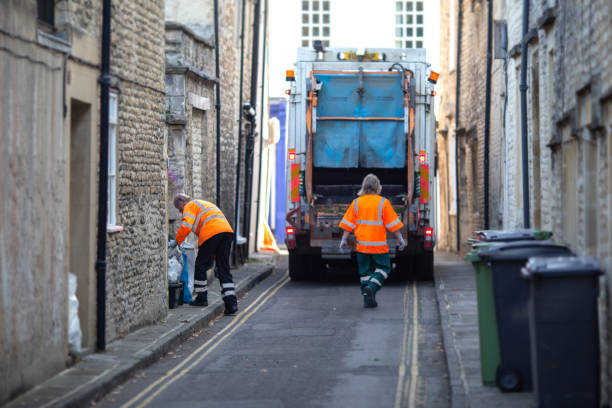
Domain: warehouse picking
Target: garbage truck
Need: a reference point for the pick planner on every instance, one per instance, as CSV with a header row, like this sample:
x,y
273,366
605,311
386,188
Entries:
x,y
352,113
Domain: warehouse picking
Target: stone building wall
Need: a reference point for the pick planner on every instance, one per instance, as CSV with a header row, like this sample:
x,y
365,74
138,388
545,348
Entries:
x,y
136,277
33,187
569,102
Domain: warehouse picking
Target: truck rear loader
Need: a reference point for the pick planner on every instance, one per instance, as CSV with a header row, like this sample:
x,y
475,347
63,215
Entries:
x,y
352,114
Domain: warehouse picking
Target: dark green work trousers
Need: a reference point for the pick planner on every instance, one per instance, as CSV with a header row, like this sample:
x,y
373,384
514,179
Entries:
x,y
374,269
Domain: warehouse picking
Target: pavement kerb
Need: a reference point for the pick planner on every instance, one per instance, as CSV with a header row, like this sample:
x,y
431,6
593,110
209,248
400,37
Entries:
x,y
126,364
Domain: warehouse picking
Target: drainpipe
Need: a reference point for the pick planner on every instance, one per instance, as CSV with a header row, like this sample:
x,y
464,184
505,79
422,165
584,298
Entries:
x,y
487,118
237,201
103,179
250,145
218,102
457,95
261,117
524,135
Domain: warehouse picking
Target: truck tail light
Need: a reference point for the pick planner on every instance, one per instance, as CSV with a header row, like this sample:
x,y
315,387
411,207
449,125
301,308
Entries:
x,y
291,155
288,91
422,157
290,238
290,230
428,232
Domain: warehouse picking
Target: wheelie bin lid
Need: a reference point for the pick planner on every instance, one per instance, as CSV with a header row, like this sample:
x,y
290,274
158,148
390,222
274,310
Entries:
x,y
472,256
512,235
561,266
517,250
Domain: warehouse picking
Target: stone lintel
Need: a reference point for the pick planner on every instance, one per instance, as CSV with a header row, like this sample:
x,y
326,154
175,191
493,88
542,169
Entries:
x,y
515,51
547,19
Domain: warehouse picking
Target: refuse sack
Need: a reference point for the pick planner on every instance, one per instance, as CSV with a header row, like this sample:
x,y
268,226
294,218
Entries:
x,y
74,325
189,257
174,269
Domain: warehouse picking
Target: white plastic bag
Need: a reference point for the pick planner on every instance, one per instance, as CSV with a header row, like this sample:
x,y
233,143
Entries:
x,y
174,270
74,325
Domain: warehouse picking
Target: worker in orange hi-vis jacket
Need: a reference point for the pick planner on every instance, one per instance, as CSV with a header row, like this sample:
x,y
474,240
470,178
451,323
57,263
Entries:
x,y
370,216
215,237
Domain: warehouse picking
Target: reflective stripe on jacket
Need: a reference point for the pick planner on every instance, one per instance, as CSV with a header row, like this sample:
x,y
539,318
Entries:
x,y
203,219
370,216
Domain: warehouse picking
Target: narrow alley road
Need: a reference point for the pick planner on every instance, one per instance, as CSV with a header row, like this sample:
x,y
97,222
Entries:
x,y
306,344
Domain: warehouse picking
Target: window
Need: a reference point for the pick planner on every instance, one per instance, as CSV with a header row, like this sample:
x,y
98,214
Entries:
x,y
419,6
408,44
399,19
325,31
305,31
315,5
419,19
409,32
315,31
315,19
419,44
399,32
326,43
304,43
305,18
398,44
398,6
419,32
112,159
305,5
409,19
46,12
326,18
409,6
326,6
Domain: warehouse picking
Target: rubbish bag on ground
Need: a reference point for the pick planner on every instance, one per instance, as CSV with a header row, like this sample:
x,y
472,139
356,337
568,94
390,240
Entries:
x,y
74,325
189,251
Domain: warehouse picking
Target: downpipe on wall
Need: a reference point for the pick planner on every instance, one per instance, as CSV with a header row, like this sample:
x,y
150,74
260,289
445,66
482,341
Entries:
x,y
524,134
487,118
103,180
238,162
457,110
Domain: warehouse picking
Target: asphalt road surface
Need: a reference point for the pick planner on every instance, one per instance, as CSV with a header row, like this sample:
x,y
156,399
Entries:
x,y
305,344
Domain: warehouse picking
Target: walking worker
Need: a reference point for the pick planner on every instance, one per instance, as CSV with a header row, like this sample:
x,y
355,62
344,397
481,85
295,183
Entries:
x,y
370,216
215,238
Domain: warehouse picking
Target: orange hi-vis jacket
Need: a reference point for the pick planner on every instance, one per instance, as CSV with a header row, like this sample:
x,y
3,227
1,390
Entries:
x,y
370,216
203,219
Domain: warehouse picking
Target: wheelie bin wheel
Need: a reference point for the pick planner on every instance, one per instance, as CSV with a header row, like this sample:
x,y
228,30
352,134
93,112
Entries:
x,y
508,380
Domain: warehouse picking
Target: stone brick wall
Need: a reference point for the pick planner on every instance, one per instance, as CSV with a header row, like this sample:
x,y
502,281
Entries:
x,y
136,277
33,230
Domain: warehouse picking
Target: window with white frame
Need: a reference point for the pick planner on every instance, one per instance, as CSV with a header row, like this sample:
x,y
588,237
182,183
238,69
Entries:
x,y
112,159
409,21
315,22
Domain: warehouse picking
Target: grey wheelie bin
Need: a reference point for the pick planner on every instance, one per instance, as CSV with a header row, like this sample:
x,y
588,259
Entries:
x,y
510,293
563,326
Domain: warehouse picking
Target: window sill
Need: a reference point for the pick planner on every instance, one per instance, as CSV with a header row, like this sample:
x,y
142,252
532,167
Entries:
x,y
113,228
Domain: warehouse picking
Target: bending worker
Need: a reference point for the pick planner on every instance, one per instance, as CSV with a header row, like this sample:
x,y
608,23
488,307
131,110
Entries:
x,y
215,238
370,215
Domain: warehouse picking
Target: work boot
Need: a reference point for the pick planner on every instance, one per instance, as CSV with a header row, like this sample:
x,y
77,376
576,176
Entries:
x,y
200,300
369,297
231,304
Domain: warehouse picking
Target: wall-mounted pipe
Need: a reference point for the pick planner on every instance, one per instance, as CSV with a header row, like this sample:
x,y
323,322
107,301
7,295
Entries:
x,y
261,116
457,111
524,134
487,118
250,144
238,163
103,179
218,101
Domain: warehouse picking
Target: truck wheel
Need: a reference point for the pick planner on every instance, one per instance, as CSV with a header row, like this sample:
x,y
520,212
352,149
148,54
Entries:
x,y
404,267
425,267
298,266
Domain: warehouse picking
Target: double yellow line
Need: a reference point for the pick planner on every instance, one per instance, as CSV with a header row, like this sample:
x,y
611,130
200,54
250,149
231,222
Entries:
x,y
154,389
409,353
